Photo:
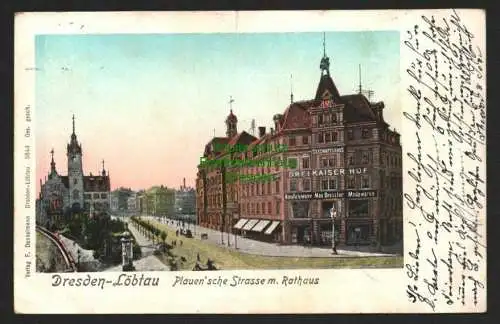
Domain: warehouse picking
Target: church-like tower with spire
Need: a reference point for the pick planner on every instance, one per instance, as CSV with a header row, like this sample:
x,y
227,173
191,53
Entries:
x,y
75,169
61,195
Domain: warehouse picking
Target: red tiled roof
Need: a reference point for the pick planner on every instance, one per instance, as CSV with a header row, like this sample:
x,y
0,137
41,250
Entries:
x,y
297,116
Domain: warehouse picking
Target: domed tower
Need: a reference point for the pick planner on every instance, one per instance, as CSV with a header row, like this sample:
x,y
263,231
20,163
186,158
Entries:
x,y
75,170
231,122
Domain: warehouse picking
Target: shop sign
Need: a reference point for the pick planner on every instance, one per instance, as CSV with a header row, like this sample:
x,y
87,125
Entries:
x,y
339,149
327,172
315,195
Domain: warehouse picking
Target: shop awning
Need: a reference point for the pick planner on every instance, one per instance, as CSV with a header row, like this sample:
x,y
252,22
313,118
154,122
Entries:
x,y
240,223
251,223
260,225
272,227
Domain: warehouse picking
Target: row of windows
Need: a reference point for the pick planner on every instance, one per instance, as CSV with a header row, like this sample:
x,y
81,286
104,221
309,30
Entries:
x,y
352,134
332,136
260,208
390,159
360,157
95,196
356,158
329,184
327,118
258,189
391,204
327,137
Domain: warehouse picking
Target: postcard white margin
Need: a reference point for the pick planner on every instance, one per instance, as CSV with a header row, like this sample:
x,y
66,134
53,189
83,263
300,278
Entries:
x,y
339,290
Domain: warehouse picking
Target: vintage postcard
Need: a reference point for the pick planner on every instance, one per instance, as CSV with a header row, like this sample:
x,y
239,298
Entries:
x,y
305,162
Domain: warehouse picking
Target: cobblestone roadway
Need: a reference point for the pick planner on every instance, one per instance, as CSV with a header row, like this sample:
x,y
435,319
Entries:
x,y
148,261
271,249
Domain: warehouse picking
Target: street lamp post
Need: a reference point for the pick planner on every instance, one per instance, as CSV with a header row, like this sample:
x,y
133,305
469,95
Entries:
x,y
333,215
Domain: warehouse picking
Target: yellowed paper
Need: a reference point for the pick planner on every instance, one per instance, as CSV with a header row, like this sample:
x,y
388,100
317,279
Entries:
x,y
105,101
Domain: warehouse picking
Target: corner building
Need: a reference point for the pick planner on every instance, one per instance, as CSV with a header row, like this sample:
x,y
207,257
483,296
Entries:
x,y
347,158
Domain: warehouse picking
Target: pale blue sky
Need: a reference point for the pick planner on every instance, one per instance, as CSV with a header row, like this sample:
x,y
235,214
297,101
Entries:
x,y
148,103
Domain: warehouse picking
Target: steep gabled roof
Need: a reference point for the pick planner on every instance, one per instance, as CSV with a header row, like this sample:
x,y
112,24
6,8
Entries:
x,y
297,116
326,85
357,109
242,138
215,140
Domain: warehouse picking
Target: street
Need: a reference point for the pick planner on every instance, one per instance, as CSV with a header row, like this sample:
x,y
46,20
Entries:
x,y
249,246
147,262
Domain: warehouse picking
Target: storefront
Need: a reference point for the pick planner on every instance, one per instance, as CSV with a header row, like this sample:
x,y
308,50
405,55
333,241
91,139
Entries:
x,y
301,234
324,237
358,232
273,232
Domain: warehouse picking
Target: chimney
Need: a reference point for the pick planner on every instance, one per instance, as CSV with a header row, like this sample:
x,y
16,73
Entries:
x,y
262,131
184,182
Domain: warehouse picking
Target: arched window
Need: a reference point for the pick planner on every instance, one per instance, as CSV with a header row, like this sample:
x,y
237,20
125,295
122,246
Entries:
x,y
76,194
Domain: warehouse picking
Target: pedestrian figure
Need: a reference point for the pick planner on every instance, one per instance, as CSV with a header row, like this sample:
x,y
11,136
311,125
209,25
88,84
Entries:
x,y
181,242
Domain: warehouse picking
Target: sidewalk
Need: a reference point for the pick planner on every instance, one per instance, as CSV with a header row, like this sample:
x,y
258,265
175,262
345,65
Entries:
x,y
249,246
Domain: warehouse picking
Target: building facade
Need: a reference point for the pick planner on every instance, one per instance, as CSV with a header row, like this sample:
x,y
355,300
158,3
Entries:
x,y
132,203
157,201
120,199
185,200
341,154
60,195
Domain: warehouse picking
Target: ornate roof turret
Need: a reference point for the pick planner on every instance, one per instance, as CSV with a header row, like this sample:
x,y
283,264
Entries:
x,y
326,87
231,121
53,171
231,118
103,170
73,146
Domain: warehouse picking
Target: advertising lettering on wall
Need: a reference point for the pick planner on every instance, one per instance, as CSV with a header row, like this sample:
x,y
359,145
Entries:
x,y
327,172
349,194
339,149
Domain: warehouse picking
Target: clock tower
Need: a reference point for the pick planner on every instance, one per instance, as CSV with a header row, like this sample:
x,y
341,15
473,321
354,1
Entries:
x,y
75,171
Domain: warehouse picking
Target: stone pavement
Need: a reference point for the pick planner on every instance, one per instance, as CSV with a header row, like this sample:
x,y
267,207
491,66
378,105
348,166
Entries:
x,y
249,246
148,261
